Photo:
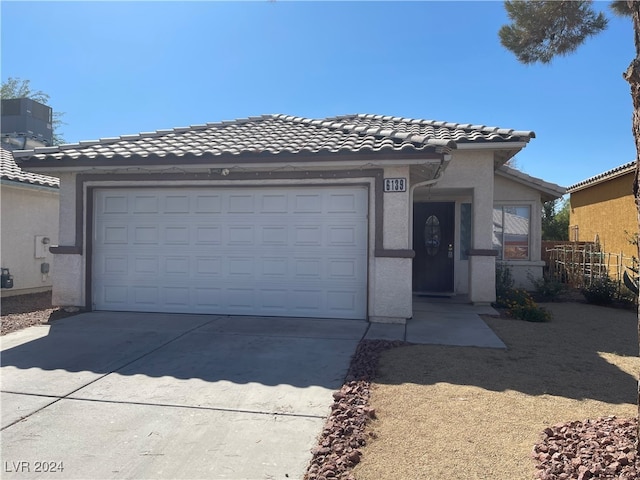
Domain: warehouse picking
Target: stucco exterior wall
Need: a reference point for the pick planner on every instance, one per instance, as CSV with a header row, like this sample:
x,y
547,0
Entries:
x,y
389,279
509,192
68,289
471,173
27,211
606,209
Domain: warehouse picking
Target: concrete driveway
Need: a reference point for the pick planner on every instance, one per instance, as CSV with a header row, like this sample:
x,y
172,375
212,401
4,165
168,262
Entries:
x,y
128,395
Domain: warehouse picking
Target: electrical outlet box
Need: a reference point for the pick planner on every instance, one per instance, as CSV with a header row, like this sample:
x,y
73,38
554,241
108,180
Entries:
x,y
41,246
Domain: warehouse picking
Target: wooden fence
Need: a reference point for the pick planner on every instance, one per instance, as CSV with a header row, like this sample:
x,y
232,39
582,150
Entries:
x,y
580,263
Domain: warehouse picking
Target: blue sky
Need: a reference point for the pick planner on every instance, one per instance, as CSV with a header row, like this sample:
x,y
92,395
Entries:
x,y
118,68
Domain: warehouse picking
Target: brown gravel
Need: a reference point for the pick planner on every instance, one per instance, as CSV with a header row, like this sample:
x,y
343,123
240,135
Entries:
x,y
22,311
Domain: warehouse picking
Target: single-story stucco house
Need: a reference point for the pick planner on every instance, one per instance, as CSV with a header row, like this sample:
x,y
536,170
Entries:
x,y
29,224
343,217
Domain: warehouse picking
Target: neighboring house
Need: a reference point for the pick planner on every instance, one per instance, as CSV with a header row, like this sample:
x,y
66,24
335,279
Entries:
x,y
29,223
344,217
603,210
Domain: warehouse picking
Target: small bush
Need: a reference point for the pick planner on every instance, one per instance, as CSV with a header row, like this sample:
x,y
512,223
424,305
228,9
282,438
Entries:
x,y
504,280
602,291
530,313
547,288
520,305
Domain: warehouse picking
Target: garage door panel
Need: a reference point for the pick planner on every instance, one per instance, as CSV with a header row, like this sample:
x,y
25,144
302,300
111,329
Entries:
x,y
176,204
115,235
273,203
240,235
307,203
241,203
274,267
207,297
342,300
210,203
274,235
307,235
208,234
145,204
146,265
176,296
146,235
176,235
343,203
209,266
114,204
145,296
254,251
177,266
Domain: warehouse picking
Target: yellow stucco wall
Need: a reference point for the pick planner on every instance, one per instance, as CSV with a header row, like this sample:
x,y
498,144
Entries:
x,y
606,209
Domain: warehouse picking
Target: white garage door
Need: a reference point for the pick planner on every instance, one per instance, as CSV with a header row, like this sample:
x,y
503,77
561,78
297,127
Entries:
x,y
282,251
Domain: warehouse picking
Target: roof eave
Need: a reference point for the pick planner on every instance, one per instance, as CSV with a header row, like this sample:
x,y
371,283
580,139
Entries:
x,y
263,159
604,177
29,185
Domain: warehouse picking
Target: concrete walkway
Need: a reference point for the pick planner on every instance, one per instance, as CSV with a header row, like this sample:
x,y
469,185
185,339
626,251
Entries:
x,y
442,321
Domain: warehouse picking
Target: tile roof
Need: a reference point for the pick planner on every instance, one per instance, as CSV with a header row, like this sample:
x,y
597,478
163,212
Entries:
x,y
608,175
9,170
275,134
549,190
432,129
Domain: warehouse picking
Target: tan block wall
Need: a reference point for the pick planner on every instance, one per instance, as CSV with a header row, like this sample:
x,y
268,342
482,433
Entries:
x,y
607,210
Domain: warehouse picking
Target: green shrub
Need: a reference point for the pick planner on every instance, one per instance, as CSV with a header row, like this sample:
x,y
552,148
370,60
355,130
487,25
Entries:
x,y
602,291
519,304
504,280
547,288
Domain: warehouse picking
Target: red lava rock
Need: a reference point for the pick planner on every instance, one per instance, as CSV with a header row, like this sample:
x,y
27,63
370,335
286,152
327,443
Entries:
x,y
344,430
603,448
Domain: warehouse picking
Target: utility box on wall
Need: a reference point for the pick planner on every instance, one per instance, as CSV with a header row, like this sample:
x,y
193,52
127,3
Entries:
x,y
41,246
6,279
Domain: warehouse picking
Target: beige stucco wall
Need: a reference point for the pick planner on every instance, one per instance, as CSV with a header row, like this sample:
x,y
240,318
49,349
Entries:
x,y
27,211
68,288
509,192
389,279
469,178
607,210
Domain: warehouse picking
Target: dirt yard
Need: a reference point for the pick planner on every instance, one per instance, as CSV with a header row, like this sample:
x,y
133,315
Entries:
x,y
473,413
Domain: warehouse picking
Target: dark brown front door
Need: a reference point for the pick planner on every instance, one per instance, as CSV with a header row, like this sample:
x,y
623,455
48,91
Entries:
x,y
433,234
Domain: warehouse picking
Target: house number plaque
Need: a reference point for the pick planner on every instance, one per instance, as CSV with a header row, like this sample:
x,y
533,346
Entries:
x,y
395,184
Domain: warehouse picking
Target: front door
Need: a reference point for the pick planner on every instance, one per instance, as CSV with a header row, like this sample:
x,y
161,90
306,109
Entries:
x,y
433,234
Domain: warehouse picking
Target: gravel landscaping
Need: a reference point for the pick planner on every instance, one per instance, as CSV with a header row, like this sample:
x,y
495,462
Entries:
x,y
22,311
